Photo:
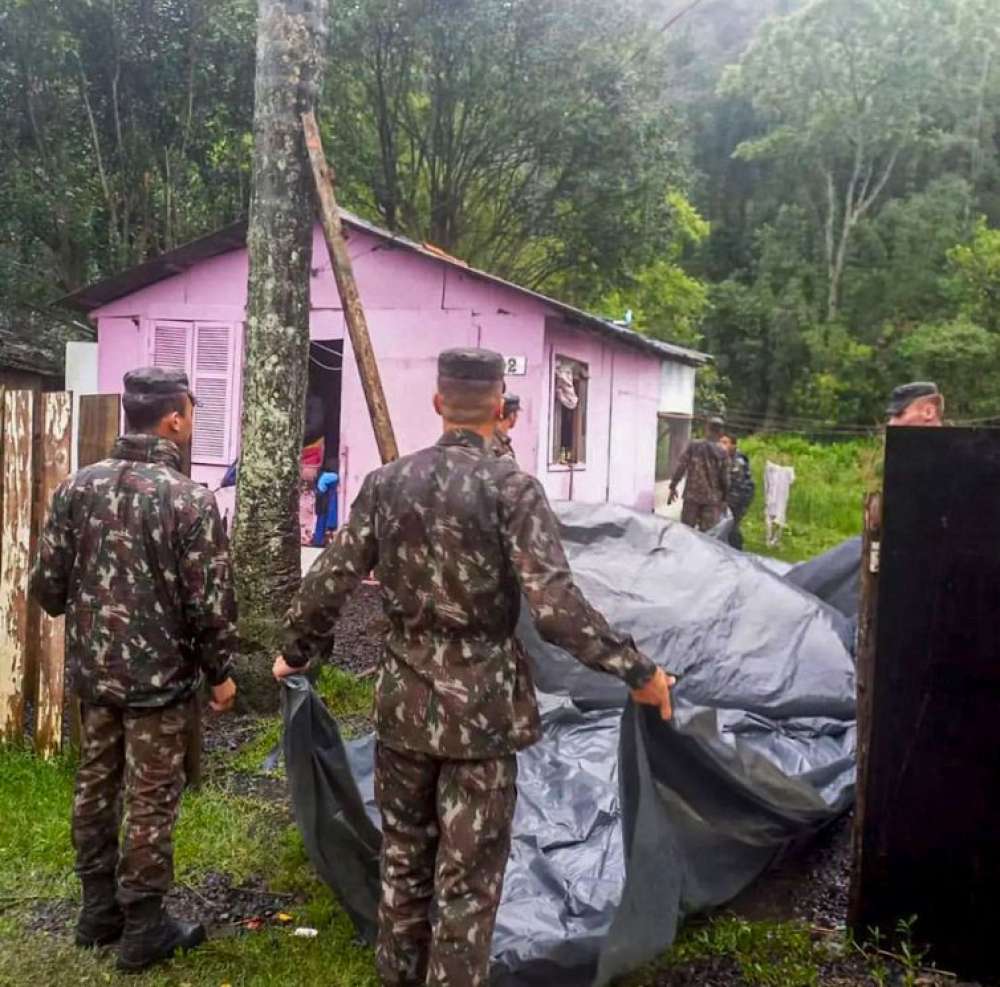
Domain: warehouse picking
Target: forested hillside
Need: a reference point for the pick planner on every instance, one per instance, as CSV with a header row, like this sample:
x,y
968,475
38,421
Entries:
x,y
808,190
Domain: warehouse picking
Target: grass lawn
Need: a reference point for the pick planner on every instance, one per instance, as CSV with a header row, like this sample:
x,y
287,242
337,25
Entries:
x,y
825,504
217,832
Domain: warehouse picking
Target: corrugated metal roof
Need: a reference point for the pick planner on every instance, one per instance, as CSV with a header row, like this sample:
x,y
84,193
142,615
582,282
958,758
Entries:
x,y
233,237
34,339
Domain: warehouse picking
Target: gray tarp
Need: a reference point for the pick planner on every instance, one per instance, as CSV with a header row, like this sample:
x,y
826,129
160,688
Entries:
x,y
834,576
761,750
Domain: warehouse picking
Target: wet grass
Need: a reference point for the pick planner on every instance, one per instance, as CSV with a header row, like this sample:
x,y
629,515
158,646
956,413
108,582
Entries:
x,y
825,504
217,832
349,698
760,954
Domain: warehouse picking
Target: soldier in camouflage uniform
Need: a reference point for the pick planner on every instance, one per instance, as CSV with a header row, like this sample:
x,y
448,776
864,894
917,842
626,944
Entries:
x,y
455,536
741,488
706,466
502,445
134,554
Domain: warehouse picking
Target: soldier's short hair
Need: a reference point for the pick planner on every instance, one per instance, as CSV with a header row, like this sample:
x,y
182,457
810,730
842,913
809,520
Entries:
x,y
152,393
469,382
468,402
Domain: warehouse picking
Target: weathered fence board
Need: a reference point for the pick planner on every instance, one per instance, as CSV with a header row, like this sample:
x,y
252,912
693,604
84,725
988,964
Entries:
x,y
100,426
53,467
15,538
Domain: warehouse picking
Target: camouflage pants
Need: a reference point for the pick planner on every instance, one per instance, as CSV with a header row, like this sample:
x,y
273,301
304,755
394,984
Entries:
x,y
704,517
131,760
445,842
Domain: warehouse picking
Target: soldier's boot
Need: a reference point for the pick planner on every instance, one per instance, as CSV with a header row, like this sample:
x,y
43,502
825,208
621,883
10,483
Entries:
x,y
151,936
101,918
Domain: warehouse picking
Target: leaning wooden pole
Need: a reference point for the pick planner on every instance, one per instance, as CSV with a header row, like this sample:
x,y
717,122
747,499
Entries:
x,y
343,272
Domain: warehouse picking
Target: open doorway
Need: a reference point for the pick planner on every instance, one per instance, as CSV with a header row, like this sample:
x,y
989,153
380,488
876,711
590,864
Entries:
x,y
320,465
326,359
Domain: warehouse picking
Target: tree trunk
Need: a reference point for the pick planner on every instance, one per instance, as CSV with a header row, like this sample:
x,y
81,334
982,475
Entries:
x,y
291,49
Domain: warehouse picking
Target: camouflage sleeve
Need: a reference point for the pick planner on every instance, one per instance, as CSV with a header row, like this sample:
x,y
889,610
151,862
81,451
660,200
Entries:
x,y
206,586
351,555
682,467
562,614
49,580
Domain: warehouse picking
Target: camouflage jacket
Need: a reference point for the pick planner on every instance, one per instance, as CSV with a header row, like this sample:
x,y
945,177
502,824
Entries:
x,y
706,466
455,535
502,445
741,485
135,555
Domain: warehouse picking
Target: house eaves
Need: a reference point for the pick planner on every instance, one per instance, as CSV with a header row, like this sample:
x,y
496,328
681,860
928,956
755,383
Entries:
x,y
233,237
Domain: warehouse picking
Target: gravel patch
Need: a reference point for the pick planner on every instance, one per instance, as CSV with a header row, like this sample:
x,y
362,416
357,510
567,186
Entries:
x,y
360,631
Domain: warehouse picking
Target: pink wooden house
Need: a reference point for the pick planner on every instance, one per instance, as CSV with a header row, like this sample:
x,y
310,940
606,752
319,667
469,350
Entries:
x,y
591,390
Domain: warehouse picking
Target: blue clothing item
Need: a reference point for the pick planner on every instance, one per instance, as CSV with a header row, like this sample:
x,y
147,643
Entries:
x,y
326,520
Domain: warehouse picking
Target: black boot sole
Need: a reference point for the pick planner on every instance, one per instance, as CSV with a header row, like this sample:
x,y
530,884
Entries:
x,y
95,941
138,966
88,942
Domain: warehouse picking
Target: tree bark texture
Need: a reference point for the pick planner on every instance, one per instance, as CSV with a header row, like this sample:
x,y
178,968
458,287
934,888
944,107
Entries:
x,y
291,49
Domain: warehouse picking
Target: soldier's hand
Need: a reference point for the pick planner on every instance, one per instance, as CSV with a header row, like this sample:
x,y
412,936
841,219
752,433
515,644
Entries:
x,y
672,497
223,696
656,692
281,668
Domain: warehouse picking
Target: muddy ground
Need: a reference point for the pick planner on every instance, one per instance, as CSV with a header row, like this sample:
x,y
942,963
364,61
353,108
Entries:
x,y
360,631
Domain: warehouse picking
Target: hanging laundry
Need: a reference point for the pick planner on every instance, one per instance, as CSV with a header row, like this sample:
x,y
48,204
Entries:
x,y
778,482
566,386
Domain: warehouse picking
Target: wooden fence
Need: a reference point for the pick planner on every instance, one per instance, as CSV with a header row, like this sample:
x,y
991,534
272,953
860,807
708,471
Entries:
x,y
35,438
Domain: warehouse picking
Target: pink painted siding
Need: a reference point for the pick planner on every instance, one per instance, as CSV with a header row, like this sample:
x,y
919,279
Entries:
x,y
417,306
622,397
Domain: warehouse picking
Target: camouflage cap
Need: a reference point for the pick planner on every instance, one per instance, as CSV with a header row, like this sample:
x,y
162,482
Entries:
x,y
471,364
149,384
904,395
511,403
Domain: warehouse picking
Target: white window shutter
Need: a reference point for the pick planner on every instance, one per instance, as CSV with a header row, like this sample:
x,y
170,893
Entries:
x,y
172,345
213,386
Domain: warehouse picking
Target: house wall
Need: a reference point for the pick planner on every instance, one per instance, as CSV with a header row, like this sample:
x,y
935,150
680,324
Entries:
x,y
677,382
622,398
81,378
415,307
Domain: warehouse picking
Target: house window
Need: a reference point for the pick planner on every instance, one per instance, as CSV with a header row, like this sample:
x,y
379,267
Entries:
x,y
205,351
569,412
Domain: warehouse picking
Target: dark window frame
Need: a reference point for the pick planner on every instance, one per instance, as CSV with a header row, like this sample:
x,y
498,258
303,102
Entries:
x,y
569,428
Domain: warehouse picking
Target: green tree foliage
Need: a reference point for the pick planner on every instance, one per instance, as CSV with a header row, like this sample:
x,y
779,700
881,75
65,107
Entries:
x,y
893,105
526,136
794,185
976,282
847,90
123,131
962,357
531,137
662,299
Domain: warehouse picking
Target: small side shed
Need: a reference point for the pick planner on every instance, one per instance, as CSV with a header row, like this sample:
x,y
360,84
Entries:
x,y
591,390
33,344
